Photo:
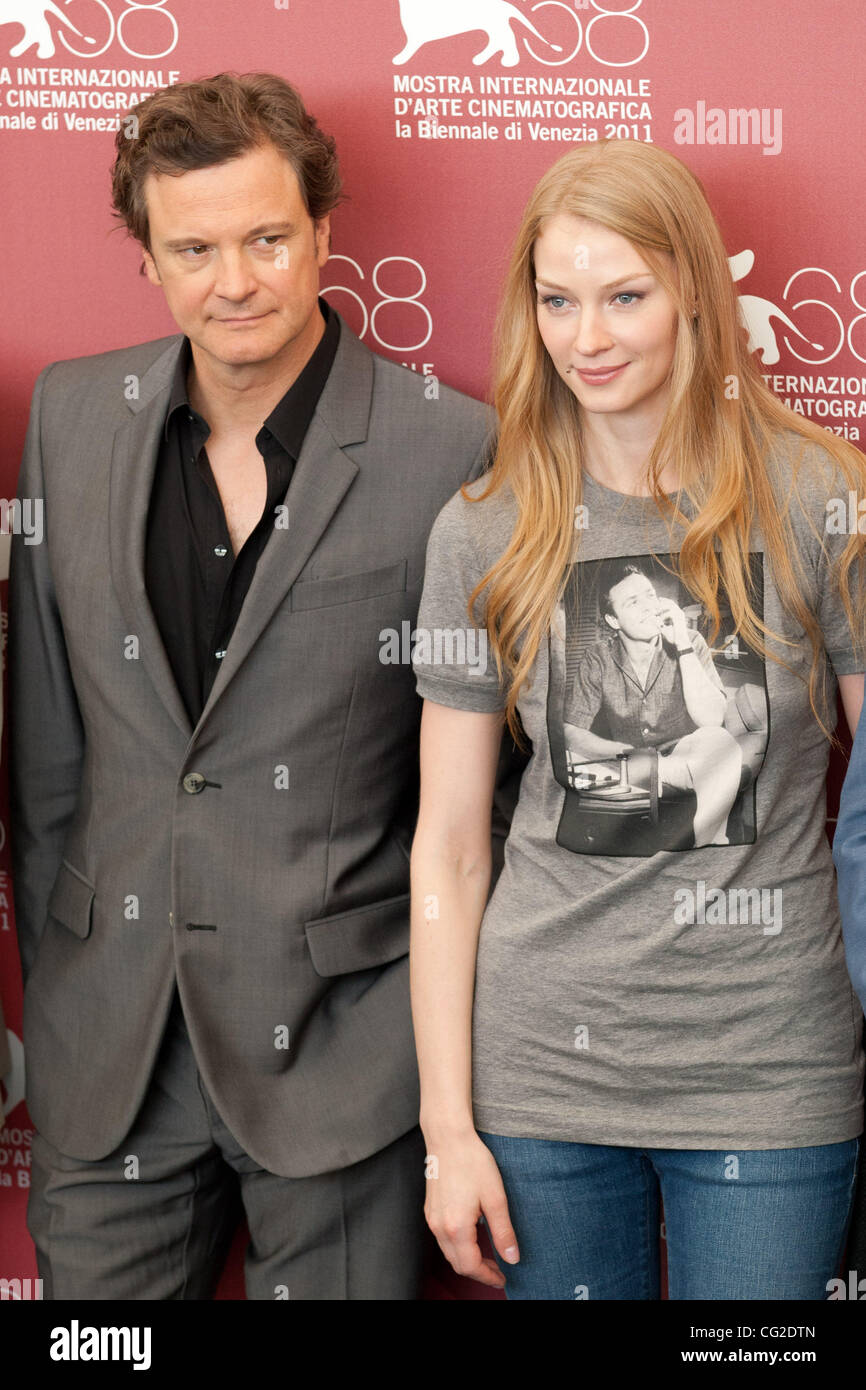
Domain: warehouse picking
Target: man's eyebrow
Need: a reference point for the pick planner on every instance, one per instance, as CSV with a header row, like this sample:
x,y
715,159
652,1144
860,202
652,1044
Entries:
x,y
266,229
638,275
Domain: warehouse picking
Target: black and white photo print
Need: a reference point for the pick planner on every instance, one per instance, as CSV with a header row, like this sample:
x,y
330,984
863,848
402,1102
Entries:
x,y
657,736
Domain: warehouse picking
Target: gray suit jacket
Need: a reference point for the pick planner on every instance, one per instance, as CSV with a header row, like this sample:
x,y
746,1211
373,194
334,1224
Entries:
x,y
281,910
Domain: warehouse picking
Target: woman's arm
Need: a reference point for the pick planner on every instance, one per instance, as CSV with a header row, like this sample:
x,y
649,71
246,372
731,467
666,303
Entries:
x,y
450,873
851,691
450,869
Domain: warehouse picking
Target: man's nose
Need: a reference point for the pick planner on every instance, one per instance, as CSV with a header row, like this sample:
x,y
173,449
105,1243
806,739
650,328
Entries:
x,y
234,278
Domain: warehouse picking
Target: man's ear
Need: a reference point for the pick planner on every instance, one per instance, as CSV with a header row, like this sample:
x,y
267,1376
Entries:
x,y
150,269
323,239
611,621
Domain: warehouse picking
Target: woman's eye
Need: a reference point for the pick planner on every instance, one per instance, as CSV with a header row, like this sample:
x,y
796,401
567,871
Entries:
x,y
554,301
630,295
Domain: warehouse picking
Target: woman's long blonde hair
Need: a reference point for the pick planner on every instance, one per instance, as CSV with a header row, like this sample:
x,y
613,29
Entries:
x,y
719,428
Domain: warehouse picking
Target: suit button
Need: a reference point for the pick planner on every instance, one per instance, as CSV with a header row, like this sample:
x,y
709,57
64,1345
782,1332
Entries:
x,y
194,782
171,919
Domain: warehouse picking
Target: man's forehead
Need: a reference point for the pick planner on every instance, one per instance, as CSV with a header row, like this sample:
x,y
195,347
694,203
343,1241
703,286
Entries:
x,y
632,583
268,182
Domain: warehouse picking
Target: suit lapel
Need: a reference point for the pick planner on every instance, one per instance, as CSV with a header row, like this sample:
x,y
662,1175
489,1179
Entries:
x,y
322,476
133,463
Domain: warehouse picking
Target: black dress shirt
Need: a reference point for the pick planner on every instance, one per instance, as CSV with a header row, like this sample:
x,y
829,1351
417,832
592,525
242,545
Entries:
x,y
195,584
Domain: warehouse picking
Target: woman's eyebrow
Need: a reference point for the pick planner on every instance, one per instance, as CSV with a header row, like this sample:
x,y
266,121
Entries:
x,y
637,275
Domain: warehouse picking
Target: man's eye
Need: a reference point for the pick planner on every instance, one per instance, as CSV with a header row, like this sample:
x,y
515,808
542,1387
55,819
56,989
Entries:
x,y
193,250
271,240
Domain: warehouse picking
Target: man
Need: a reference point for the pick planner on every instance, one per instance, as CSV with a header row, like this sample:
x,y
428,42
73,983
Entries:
x,y
214,775
653,684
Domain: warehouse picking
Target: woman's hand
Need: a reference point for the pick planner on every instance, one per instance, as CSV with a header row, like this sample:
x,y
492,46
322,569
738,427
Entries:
x,y
467,1185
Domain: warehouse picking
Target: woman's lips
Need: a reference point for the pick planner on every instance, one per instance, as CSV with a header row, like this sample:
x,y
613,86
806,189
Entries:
x,y
602,376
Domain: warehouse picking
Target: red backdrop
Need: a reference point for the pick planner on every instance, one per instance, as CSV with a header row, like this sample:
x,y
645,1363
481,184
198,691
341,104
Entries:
x,y
763,99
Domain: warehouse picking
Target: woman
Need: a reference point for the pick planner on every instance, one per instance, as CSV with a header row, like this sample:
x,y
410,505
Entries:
x,y
661,1007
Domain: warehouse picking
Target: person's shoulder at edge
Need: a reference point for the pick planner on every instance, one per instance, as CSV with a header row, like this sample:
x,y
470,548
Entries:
x,y
488,521
92,364
796,459
428,404
599,652
807,482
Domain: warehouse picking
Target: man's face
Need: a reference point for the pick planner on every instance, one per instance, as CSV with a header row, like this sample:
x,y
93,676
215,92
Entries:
x,y
238,257
635,605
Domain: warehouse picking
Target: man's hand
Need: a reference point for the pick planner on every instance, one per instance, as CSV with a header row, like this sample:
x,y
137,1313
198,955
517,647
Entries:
x,y
672,624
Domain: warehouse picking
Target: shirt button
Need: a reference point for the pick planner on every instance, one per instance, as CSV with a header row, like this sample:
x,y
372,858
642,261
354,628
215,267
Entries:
x,y
645,730
220,550
171,919
193,782
219,655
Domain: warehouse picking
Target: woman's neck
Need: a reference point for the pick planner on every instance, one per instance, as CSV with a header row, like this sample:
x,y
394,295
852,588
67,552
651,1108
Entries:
x,y
616,450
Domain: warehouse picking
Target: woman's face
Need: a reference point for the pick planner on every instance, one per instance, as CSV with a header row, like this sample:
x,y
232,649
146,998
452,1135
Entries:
x,y
609,325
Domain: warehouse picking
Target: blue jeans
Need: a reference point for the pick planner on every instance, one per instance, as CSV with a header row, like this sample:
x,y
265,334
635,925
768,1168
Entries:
x,y
740,1223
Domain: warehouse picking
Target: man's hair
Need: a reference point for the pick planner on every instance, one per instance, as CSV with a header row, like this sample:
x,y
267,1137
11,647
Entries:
x,y
194,125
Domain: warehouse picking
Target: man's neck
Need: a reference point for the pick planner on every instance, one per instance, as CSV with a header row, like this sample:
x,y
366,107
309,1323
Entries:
x,y
237,400
639,653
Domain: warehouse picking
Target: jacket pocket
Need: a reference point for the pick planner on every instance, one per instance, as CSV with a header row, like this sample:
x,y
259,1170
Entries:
x,y
361,938
71,900
344,588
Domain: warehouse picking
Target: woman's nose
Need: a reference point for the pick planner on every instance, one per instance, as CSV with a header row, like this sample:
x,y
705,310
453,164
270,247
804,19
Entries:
x,y
591,336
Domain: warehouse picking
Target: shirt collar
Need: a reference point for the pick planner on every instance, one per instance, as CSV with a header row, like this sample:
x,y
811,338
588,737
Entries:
x,y
621,657
290,418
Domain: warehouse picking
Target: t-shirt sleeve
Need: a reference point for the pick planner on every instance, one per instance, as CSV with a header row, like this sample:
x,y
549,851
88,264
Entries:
x,y
824,495
451,655
834,625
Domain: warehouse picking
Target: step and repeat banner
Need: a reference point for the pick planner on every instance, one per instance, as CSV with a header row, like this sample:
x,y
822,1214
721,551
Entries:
x,y
446,112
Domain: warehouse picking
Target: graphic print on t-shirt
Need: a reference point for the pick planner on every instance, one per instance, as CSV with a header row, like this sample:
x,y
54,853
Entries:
x,y
657,737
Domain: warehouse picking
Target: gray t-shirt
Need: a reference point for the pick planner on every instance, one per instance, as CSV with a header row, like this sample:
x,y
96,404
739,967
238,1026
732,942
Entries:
x,y
661,961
